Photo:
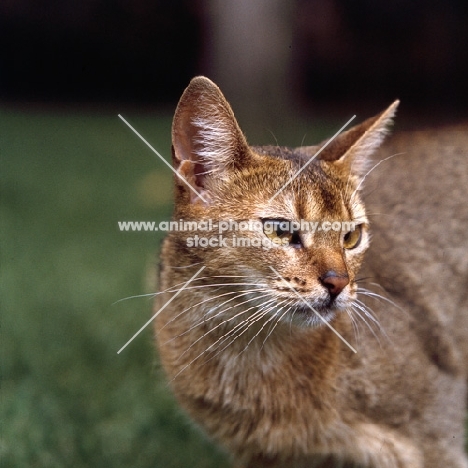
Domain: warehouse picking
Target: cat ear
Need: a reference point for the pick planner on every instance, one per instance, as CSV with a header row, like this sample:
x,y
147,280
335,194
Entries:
x,y
206,138
351,150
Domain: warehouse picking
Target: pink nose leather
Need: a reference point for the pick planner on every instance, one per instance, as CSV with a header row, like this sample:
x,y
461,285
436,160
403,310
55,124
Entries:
x,y
334,283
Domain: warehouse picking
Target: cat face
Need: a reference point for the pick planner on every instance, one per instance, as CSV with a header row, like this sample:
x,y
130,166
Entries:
x,y
304,227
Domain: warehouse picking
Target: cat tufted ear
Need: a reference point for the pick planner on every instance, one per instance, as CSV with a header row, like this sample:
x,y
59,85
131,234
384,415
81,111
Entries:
x,y
206,138
351,150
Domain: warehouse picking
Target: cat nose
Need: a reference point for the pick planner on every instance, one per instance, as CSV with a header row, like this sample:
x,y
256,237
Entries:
x,y
334,282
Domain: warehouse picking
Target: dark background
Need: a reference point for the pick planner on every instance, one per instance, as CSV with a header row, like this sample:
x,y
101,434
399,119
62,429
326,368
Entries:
x,y
145,51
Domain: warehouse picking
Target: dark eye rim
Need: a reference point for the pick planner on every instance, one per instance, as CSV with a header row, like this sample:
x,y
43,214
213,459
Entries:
x,y
295,240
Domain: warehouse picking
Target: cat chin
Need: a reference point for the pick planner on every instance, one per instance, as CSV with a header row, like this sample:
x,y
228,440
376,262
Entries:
x,y
305,317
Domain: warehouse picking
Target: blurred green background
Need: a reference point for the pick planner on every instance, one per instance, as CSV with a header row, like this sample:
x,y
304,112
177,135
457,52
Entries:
x,y
70,170
67,397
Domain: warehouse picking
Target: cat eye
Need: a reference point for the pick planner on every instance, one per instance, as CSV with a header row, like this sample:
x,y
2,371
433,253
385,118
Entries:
x,y
353,238
279,231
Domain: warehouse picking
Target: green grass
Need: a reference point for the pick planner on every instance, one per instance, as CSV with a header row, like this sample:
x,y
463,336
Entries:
x,y
67,398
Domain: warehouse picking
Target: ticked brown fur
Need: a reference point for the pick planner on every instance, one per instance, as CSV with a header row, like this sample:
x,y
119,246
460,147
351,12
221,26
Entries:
x,y
252,364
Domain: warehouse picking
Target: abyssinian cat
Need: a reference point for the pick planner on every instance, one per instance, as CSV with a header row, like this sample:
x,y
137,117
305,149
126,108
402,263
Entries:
x,y
289,350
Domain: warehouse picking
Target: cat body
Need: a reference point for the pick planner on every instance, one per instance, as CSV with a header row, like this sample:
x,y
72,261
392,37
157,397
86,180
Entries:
x,y
276,350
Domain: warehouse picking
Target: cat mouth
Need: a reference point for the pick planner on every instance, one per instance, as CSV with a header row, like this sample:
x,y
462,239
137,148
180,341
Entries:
x,y
312,316
323,304
326,310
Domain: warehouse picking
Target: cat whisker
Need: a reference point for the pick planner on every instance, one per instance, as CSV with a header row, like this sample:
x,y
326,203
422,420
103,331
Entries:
x,y
277,322
368,312
247,292
201,278
377,164
362,279
200,286
356,308
212,285
264,310
354,323
217,315
235,316
245,324
274,137
137,296
249,322
211,298
172,290
366,292
186,266
235,276
220,339
264,325
266,307
154,294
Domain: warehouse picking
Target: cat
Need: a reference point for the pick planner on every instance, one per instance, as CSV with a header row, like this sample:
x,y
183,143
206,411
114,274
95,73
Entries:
x,y
291,350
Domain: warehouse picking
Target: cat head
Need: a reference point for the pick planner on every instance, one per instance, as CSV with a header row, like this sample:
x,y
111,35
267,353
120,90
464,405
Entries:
x,y
308,229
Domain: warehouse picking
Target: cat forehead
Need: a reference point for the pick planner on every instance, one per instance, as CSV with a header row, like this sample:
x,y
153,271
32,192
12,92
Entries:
x,y
304,161
283,152
306,187
299,168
